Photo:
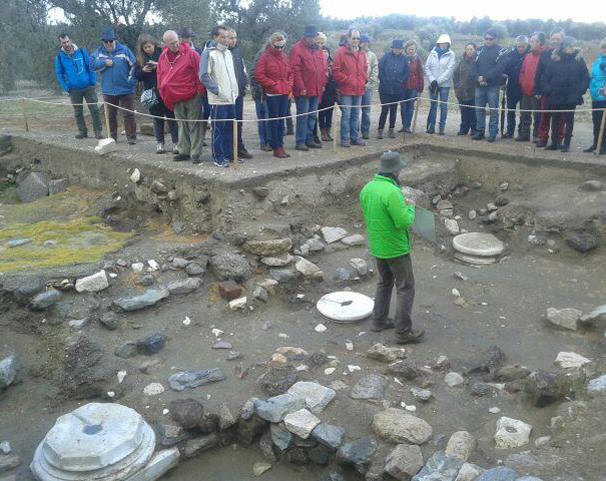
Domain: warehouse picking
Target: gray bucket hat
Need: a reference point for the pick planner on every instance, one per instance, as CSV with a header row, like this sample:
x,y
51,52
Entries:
x,y
392,162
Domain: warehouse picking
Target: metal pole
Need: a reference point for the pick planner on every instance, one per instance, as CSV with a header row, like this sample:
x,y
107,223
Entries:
x,y
234,163
601,136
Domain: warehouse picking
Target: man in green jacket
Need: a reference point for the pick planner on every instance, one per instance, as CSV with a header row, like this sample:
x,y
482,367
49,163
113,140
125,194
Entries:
x,y
388,217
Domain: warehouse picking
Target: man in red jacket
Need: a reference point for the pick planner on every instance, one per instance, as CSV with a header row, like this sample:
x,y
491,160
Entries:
x,y
310,73
350,71
181,91
527,80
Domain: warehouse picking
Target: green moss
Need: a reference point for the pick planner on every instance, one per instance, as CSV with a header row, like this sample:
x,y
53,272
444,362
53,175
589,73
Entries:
x,y
78,241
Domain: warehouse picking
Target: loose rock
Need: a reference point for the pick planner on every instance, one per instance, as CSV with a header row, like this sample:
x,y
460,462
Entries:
x,y
185,286
46,299
567,318
94,283
353,240
33,187
268,247
582,242
193,379
570,360
151,344
333,234
260,467
454,379
358,453
461,444
440,467
372,386
9,368
276,408
511,433
423,395
381,353
230,290
149,298
186,412
316,396
301,423
469,472
229,265
498,474
328,435
397,426
404,462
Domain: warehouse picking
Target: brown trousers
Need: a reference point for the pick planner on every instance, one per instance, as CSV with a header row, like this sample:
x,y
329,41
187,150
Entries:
x,y
398,272
127,102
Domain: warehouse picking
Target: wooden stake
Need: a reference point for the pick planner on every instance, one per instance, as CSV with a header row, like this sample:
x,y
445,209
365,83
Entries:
x,y
24,115
601,136
337,126
234,163
106,113
415,114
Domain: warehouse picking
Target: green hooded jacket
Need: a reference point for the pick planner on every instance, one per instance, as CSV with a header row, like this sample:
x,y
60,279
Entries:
x,y
387,218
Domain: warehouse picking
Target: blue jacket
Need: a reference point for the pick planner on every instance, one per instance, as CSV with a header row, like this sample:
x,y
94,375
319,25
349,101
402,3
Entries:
x,y
393,73
74,71
115,80
598,79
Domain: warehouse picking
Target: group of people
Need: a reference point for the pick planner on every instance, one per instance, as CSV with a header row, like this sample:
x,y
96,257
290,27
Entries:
x,y
191,88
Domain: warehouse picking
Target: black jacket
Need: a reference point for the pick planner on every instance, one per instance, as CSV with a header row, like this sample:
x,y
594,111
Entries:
x,y
565,79
491,64
514,64
393,74
544,61
149,79
465,79
239,69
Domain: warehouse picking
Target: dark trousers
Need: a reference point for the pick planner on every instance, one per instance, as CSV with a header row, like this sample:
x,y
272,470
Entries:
x,y
559,118
395,272
239,116
468,116
529,102
222,117
277,106
77,98
127,102
545,123
512,102
596,117
394,100
163,111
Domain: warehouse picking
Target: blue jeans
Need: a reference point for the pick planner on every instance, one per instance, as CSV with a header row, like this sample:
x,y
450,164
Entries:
x,y
277,106
366,100
488,95
262,127
350,117
306,123
433,110
223,134
407,108
239,115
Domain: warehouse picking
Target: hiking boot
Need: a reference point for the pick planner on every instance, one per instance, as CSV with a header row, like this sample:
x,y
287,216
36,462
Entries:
x,y
379,134
431,130
410,337
478,136
391,134
81,136
160,148
345,143
324,135
491,139
181,157
302,147
280,154
441,132
195,159
540,144
589,149
522,138
359,143
131,141
565,148
507,136
460,132
381,326
552,146
365,136
312,144
175,150
402,130
244,154
98,135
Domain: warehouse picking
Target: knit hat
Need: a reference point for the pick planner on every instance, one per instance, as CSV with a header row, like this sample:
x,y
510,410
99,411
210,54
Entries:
x,y
397,43
108,34
391,162
310,31
364,38
187,32
444,38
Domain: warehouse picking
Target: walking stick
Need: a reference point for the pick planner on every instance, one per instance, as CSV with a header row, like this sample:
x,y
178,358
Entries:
x,y
503,107
23,111
234,163
108,144
601,135
416,113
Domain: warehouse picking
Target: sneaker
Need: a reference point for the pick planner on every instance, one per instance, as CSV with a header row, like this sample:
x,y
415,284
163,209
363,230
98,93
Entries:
x,y
491,139
267,148
408,130
365,136
381,326
221,164
244,154
358,142
379,134
441,132
541,144
391,134
409,337
478,136
302,147
565,148
131,141
402,130
181,157
312,144
195,159
175,150
460,132
431,130
81,136
522,138
160,148
589,149
345,143
507,135
98,135
280,154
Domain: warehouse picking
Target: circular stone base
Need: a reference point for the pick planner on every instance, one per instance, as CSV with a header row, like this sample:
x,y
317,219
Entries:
x,y
475,260
357,306
478,244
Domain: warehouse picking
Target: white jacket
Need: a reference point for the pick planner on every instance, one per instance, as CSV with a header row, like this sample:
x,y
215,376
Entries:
x,y
440,69
218,76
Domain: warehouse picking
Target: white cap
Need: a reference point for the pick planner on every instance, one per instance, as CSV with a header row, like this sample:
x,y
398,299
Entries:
x,y
444,38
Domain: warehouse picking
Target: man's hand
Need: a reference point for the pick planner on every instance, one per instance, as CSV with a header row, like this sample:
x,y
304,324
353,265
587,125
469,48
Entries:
x,y
147,68
480,79
304,93
109,62
411,201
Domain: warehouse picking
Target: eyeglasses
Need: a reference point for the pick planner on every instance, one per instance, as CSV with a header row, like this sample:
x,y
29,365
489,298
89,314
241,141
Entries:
x,y
108,41
355,38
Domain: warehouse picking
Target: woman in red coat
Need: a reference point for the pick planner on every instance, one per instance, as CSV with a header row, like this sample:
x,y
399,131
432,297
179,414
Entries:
x,y
414,85
274,74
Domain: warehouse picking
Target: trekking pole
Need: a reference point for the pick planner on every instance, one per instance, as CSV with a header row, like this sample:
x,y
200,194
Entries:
x,y
415,114
24,112
234,163
337,123
601,135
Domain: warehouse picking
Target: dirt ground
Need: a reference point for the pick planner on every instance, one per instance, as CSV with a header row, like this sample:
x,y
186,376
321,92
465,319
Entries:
x,y
504,305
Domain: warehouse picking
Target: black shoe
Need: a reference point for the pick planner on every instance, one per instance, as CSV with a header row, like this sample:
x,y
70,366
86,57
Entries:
x,y
98,135
441,132
589,149
81,136
195,159
507,135
602,151
312,144
565,148
366,136
181,157
431,130
552,146
402,130
302,147
460,132
244,154
412,336
491,139
522,138
541,144
478,136
378,327
131,141
408,131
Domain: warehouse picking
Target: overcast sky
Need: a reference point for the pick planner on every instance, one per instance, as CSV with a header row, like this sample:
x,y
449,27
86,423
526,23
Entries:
x,y
579,10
